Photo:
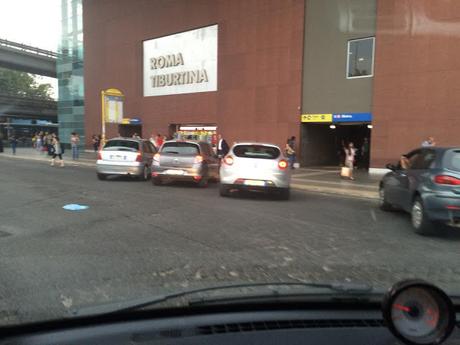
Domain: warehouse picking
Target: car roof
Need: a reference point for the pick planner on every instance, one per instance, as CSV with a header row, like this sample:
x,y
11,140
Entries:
x,y
255,143
187,141
126,138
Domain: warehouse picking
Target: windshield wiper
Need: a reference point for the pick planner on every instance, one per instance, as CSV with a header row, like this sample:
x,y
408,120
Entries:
x,y
342,288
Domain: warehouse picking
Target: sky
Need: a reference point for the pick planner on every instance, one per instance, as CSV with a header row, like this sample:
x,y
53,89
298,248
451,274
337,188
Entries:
x,y
32,22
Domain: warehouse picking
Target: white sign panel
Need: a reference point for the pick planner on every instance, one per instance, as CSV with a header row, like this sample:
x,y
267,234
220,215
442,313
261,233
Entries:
x,y
114,109
181,63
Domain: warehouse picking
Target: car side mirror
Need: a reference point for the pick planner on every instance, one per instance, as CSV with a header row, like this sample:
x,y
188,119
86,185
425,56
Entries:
x,y
392,167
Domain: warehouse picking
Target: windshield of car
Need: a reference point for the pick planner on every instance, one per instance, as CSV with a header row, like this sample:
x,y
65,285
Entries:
x,y
120,145
279,129
180,148
256,151
452,160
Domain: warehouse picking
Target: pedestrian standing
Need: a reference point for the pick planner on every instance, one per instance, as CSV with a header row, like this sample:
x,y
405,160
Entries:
x,y
428,142
57,152
350,153
222,147
49,144
159,140
74,142
290,151
96,142
14,143
39,141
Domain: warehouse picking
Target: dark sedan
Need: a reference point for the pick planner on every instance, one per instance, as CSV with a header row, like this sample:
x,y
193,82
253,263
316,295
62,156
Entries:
x,y
425,183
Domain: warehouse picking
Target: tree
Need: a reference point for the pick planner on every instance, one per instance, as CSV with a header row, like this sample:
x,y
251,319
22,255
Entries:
x,y
23,84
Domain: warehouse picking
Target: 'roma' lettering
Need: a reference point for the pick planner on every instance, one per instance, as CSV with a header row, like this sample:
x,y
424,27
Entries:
x,y
166,61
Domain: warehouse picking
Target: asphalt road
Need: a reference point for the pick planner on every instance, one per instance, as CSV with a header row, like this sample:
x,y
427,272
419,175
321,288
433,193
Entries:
x,y
138,240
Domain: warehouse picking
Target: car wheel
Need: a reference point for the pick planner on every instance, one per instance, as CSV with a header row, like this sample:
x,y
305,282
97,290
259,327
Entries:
x,y
156,181
224,190
285,194
101,177
420,222
145,174
383,203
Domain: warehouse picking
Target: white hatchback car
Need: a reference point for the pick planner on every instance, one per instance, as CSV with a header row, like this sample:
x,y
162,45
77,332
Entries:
x,y
255,167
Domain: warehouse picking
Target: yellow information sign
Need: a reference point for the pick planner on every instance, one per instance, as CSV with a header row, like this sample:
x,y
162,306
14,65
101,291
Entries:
x,y
316,117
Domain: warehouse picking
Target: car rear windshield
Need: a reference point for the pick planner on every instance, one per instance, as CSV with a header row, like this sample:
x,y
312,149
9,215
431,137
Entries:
x,y
256,151
452,160
181,148
121,145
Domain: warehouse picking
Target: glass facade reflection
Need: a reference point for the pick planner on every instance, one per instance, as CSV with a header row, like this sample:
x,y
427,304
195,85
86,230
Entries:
x,y
70,72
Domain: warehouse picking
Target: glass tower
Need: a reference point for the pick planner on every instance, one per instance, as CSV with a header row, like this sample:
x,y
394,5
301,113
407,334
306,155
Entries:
x,y
70,72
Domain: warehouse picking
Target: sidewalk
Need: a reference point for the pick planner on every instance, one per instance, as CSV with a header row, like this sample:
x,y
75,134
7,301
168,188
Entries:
x,y
327,180
87,158
318,180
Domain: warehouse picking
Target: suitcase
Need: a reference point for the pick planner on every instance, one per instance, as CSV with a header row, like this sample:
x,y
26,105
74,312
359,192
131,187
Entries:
x,y
345,172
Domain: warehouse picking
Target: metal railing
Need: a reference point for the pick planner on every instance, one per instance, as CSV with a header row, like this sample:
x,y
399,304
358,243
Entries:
x,y
29,49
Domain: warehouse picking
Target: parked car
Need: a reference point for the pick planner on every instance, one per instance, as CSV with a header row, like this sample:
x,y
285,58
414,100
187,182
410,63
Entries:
x,y
425,183
255,167
125,156
179,160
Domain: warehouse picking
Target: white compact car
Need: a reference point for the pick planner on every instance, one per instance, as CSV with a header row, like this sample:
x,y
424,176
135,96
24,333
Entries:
x,y
255,167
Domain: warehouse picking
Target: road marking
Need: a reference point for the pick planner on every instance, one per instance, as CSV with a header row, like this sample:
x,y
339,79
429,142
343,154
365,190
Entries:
x,y
374,217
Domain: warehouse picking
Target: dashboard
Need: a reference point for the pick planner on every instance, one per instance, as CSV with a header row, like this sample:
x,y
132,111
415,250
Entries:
x,y
425,322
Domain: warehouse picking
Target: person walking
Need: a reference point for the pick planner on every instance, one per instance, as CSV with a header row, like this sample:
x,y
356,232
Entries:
x,y
74,142
14,143
57,152
350,153
290,151
222,147
428,142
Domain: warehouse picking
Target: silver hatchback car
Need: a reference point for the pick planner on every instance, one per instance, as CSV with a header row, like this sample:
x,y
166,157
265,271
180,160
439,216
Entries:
x,y
255,167
125,156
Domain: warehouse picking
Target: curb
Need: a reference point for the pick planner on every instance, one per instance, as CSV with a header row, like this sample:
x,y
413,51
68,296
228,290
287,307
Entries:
x,y
39,159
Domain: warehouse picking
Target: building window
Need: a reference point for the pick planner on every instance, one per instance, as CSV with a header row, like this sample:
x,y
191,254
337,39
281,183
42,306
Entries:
x,y
360,58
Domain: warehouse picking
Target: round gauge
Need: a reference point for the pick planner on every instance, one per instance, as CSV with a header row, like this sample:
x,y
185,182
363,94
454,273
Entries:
x,y
418,312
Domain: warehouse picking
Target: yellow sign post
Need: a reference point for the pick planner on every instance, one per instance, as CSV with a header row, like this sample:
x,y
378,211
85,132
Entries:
x,y
316,118
112,109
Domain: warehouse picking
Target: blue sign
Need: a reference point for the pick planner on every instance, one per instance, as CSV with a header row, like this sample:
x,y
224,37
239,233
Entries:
x,y
135,121
352,117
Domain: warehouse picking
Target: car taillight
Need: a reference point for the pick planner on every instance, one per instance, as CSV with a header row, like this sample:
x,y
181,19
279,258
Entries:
x,y
139,157
228,160
156,157
99,156
282,164
198,159
446,179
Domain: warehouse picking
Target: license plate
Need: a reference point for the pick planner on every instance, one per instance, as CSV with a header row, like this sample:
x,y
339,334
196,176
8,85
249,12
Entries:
x,y
254,183
174,172
117,157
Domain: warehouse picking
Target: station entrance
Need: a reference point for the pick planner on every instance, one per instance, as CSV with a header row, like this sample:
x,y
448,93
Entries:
x,y
322,143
